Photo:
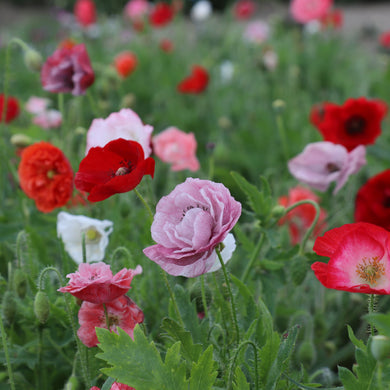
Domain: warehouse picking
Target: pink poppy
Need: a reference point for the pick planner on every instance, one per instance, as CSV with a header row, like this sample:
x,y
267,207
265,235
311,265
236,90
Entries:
x,y
124,124
189,224
136,10
115,386
122,313
256,32
359,259
177,148
48,119
244,9
36,105
304,11
322,163
95,283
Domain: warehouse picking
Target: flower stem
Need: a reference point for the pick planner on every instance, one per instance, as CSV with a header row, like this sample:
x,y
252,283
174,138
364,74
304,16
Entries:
x,y
253,258
6,354
83,248
230,294
172,295
141,198
313,224
204,301
372,300
106,316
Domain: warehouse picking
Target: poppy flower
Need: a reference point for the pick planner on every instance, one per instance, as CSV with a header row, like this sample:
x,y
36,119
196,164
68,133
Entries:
x,y
356,122
304,11
125,63
85,12
46,176
122,313
137,10
195,83
161,14
12,108
372,202
317,112
201,11
117,167
300,218
166,45
333,18
359,259
95,282
115,386
384,40
244,9
68,69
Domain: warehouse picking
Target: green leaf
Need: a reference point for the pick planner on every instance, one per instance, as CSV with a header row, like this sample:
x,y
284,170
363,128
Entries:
x,y
358,343
138,363
203,373
380,321
240,380
108,383
348,379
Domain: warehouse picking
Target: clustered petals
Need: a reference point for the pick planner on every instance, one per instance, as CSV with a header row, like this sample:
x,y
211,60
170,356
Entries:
x,y
195,83
85,12
12,110
304,11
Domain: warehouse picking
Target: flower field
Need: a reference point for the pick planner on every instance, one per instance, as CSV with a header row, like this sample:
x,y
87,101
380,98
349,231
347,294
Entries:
x,y
194,199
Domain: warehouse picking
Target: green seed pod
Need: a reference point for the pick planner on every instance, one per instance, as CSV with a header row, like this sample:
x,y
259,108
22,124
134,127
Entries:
x,y
380,347
278,211
196,294
9,307
20,283
41,306
307,353
33,60
299,268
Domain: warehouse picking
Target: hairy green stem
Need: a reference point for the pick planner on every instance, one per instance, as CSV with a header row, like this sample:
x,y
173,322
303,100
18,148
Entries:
x,y
204,301
253,258
120,249
6,354
282,135
172,295
372,301
141,198
233,306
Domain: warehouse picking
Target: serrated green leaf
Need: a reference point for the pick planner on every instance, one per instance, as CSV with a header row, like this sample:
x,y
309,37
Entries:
x,y
138,363
203,373
348,379
358,343
240,380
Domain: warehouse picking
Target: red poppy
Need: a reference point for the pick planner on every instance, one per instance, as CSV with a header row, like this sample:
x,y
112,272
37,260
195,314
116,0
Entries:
x,y
317,113
334,19
125,63
244,9
300,218
12,108
117,167
372,202
46,176
161,15
356,122
384,40
166,45
196,82
359,259
85,12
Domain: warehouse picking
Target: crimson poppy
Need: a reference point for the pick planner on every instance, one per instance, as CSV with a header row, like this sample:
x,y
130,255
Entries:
x,y
356,122
117,167
372,202
85,12
12,108
196,82
125,63
161,14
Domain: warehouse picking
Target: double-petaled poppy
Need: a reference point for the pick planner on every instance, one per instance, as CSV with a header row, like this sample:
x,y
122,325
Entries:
x,y
85,12
161,14
117,167
195,83
12,110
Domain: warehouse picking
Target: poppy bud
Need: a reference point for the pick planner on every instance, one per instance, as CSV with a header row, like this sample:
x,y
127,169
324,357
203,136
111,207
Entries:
x,y
278,105
278,211
9,307
380,347
21,140
33,60
41,306
20,283
299,268
72,383
307,353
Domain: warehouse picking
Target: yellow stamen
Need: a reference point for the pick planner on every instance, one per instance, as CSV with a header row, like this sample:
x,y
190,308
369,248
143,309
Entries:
x,y
92,235
370,270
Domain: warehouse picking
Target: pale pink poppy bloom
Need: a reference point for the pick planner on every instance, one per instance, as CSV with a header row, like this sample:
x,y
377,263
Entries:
x,y
256,32
48,119
124,124
189,224
304,11
36,105
137,9
175,147
122,313
322,163
95,282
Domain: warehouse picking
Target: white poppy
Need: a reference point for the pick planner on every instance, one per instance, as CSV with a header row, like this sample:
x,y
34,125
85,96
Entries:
x,y
72,228
201,11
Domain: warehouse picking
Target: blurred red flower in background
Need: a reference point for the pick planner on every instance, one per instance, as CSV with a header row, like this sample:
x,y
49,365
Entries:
x,y
372,202
12,110
356,122
117,167
46,176
125,63
161,14
85,12
244,9
195,83
334,18
384,39
68,69
166,45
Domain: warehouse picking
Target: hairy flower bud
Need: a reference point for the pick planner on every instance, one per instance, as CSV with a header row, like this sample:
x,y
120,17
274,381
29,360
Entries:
x,y
196,294
72,383
380,347
33,60
20,283
41,306
307,353
9,307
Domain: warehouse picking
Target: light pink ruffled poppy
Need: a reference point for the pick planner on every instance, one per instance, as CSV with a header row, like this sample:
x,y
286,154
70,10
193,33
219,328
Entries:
x,y
137,9
304,11
124,124
176,147
189,224
48,119
122,313
256,32
322,163
95,283
36,105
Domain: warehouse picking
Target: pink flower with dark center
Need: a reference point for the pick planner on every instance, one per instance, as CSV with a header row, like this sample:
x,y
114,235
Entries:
x,y
68,69
304,11
322,163
121,313
176,147
95,283
189,224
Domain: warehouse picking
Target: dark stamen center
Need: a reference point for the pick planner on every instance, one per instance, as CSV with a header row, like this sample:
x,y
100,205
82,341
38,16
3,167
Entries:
x,y
355,125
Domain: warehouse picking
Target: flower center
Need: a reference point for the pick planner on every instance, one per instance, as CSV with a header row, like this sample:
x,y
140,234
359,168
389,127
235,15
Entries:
x,y
355,125
50,174
198,206
92,235
113,320
330,167
122,171
370,270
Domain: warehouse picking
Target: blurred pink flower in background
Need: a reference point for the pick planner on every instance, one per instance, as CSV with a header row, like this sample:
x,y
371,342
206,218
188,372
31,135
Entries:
x,y
384,39
270,59
257,32
48,119
124,124
35,105
322,163
304,11
122,313
244,9
85,12
189,224
137,9
176,147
